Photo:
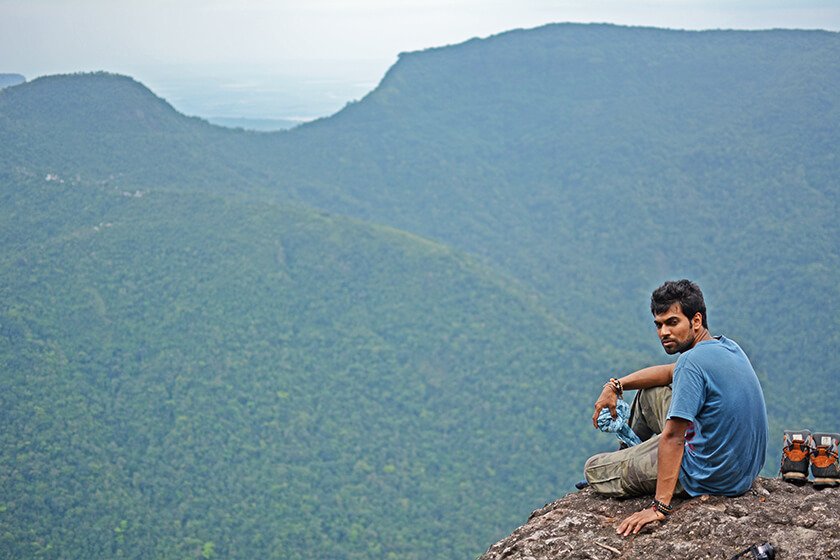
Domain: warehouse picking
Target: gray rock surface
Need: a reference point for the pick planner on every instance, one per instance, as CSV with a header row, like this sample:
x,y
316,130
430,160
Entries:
x,y
800,522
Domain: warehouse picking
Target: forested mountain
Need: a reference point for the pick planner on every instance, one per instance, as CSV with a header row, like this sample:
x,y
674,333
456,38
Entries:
x,y
181,369
105,127
592,162
380,333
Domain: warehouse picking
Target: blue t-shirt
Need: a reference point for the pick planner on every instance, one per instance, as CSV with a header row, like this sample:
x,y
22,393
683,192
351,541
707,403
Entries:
x,y
716,389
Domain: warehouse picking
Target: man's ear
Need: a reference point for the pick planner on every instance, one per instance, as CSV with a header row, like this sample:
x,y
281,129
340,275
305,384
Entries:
x,y
697,321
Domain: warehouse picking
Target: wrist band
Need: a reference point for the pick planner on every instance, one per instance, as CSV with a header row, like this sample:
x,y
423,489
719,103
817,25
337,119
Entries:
x,y
661,507
616,386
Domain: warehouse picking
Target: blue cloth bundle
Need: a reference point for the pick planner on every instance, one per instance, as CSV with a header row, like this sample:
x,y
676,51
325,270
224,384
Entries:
x,y
618,425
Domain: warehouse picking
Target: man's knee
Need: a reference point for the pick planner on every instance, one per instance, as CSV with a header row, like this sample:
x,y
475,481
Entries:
x,y
655,395
650,408
603,473
628,472
591,462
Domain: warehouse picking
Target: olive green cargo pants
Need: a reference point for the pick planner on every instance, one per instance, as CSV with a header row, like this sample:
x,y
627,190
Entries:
x,y
632,471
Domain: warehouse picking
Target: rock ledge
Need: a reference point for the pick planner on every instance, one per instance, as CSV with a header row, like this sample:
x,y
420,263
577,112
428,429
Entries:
x,y
801,523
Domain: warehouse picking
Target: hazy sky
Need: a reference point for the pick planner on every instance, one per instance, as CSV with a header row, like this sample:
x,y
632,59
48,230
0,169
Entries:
x,y
349,41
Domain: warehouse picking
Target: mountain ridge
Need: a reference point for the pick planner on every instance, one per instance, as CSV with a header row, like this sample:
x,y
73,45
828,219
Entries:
x,y
99,126
736,126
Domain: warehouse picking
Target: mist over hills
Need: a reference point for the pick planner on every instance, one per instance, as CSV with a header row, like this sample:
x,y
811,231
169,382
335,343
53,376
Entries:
x,y
188,335
260,125
7,80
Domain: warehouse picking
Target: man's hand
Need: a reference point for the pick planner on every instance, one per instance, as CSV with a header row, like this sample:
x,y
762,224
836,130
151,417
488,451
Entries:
x,y
635,522
608,399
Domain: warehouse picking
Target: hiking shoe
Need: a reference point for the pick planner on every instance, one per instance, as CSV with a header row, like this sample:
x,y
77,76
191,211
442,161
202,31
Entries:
x,y
825,466
795,455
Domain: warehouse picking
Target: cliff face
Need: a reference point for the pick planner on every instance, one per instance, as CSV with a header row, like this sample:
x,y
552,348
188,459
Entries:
x,y
800,522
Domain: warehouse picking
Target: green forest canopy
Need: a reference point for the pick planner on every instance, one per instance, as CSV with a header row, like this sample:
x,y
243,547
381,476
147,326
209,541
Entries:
x,y
380,333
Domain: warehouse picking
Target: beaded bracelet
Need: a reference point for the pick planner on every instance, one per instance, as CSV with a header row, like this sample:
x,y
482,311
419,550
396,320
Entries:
x,y
616,386
661,507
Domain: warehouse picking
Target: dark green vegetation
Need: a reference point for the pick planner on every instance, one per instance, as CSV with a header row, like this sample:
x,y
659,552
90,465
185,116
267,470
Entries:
x,y
197,360
181,369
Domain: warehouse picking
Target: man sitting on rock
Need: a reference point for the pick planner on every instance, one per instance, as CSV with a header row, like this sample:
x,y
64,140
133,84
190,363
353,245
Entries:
x,y
706,435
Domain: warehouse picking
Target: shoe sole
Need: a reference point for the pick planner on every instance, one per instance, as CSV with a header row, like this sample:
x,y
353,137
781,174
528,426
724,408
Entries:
x,y
826,481
794,476
795,481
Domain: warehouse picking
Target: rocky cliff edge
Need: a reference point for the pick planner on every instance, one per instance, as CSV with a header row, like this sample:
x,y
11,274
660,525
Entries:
x,y
801,523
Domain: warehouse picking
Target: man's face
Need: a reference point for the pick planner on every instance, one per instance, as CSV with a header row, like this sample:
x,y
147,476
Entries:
x,y
676,333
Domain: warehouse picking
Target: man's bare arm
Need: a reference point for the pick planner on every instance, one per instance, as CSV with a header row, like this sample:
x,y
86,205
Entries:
x,y
653,376
669,460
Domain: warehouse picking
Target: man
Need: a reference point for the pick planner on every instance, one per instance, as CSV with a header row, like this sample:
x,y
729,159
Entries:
x,y
706,436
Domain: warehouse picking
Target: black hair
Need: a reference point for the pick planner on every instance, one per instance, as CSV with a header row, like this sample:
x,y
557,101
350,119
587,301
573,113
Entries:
x,y
684,292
